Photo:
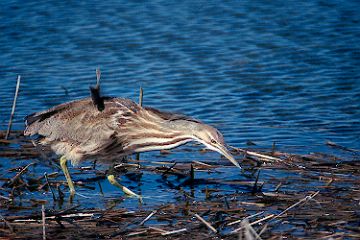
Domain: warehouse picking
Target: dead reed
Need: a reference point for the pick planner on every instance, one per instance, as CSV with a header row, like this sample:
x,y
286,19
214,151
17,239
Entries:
x,y
317,198
13,107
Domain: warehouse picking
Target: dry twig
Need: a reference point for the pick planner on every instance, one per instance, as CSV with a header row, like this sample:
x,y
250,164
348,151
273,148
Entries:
x,y
174,232
148,217
253,223
262,156
208,225
43,221
13,107
305,199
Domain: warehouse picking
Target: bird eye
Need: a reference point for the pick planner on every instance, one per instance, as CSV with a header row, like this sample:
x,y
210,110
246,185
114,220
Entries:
x,y
213,141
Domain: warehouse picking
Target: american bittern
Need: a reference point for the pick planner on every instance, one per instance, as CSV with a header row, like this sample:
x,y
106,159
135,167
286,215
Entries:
x,y
115,128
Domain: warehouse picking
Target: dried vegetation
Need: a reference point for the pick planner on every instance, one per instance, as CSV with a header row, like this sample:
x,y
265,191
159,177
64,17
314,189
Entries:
x,y
316,196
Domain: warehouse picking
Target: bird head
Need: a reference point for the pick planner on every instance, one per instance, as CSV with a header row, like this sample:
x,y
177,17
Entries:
x,y
214,140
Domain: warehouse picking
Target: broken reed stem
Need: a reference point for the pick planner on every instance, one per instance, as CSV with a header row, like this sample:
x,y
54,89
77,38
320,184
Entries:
x,y
203,164
141,94
16,177
278,187
256,154
148,217
70,215
13,107
261,155
157,229
43,221
263,229
273,217
208,225
263,219
249,232
48,183
174,232
305,199
248,217
253,223
136,233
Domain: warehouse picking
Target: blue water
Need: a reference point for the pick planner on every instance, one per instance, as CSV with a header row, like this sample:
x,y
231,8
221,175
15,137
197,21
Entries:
x,y
265,71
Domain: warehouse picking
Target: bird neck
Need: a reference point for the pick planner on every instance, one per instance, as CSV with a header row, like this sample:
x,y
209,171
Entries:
x,y
157,136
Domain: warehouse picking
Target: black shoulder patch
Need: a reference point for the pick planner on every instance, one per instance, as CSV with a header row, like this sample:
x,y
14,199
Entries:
x,y
98,101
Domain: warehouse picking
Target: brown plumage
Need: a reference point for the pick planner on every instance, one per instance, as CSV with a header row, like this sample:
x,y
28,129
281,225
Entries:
x,y
108,129
78,130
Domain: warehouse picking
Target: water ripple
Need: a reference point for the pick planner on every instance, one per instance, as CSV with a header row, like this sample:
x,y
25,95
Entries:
x,y
289,76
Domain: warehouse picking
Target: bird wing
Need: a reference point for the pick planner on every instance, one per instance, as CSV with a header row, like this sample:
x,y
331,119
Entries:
x,y
169,116
80,122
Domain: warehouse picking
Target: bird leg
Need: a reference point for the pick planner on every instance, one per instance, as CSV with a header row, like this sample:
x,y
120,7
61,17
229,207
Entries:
x,y
63,164
127,191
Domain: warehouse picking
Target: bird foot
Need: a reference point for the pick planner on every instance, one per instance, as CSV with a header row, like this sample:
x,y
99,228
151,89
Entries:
x,y
127,191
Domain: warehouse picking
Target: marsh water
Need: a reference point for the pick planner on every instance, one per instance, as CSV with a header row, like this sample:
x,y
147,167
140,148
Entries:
x,y
259,71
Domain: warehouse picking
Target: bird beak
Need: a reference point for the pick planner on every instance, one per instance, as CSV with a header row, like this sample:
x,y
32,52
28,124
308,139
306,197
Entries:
x,y
226,153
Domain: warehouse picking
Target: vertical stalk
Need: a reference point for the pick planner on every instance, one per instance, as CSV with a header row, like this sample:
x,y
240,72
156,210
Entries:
x,y
13,107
